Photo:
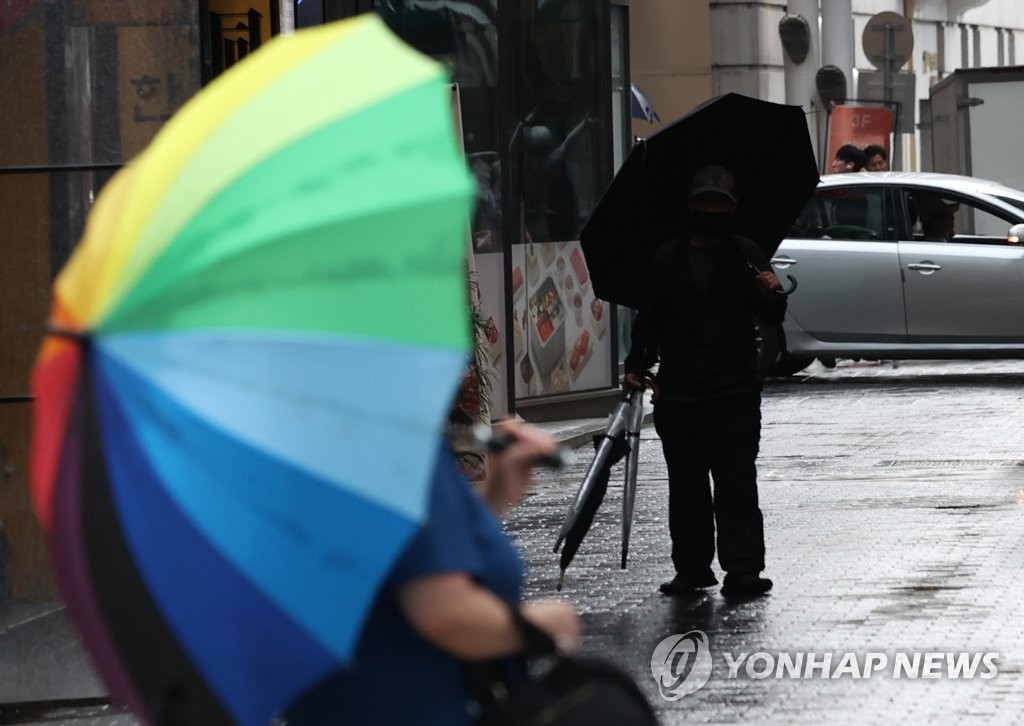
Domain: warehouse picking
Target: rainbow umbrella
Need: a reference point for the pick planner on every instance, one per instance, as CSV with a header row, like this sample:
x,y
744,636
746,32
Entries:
x,y
250,360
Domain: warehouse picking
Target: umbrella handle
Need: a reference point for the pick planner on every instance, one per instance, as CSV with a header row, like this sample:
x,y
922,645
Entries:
x,y
648,380
653,383
754,269
482,438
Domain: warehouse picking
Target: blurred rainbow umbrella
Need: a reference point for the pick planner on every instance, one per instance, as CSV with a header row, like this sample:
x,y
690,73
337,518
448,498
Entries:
x,y
267,305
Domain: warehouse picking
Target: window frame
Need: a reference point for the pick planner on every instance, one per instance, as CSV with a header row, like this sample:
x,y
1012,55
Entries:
x,y
961,198
889,224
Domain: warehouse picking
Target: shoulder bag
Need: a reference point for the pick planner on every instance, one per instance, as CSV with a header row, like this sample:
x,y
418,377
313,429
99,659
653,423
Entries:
x,y
559,690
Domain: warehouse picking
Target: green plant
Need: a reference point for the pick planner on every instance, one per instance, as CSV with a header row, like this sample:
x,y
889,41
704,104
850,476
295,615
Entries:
x,y
473,402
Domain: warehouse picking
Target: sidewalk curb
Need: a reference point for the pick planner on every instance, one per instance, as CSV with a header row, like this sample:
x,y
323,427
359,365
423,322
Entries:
x,y
584,434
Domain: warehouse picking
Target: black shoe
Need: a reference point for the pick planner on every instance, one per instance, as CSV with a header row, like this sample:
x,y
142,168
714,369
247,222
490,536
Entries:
x,y
745,584
686,583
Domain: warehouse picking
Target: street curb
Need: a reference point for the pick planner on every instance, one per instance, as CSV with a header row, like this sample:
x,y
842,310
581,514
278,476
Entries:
x,y
584,434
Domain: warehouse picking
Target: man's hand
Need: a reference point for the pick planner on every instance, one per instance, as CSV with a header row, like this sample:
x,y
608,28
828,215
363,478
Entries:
x,y
509,474
630,382
558,619
768,284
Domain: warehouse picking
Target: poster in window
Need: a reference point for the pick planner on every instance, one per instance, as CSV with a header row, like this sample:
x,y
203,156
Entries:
x,y
561,336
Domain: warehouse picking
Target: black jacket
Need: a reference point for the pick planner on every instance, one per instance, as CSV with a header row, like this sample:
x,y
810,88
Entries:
x,y
705,340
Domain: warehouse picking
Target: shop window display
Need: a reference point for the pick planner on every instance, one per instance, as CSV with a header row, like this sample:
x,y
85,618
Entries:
x,y
464,37
561,140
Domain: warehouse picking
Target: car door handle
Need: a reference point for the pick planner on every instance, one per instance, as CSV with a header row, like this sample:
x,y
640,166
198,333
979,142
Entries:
x,y
926,266
783,261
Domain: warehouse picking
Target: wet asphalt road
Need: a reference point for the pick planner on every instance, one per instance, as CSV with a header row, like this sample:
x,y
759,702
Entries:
x,y
894,514
894,511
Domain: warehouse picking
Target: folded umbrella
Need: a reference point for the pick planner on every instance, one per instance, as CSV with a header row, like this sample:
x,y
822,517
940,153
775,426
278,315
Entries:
x,y
765,145
267,304
633,426
610,447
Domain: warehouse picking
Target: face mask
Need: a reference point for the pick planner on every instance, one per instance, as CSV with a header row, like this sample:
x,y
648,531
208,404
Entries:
x,y
712,222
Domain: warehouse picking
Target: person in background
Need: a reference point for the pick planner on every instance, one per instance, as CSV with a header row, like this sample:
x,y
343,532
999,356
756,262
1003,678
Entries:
x,y
447,603
878,158
849,158
938,217
697,319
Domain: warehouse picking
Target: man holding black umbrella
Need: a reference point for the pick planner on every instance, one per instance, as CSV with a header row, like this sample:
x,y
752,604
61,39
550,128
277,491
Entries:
x,y
702,295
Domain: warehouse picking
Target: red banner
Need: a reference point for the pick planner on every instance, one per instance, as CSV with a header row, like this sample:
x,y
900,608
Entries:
x,y
860,126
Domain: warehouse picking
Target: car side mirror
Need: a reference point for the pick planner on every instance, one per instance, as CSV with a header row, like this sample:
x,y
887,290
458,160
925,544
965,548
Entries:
x,y
1016,235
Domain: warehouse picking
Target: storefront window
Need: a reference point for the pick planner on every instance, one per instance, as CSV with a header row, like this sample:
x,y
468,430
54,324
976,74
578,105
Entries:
x,y
538,138
620,84
621,136
561,134
309,13
234,29
563,334
463,36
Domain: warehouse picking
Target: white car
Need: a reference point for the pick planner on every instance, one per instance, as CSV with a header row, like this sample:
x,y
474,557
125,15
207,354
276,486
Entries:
x,y
894,265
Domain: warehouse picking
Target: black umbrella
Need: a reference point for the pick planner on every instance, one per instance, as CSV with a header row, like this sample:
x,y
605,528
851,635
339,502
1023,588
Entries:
x,y
611,447
765,145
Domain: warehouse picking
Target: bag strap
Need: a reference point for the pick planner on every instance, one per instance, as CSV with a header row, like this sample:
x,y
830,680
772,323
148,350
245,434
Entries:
x,y
486,682
536,642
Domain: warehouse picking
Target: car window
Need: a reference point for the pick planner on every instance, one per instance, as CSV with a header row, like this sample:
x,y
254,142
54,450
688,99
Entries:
x,y
942,217
843,213
1012,201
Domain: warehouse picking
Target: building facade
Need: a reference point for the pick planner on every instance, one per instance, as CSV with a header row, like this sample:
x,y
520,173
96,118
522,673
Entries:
x,y
748,56
544,108
689,51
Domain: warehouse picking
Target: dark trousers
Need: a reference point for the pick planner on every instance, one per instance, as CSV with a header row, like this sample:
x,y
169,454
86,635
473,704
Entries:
x,y
719,437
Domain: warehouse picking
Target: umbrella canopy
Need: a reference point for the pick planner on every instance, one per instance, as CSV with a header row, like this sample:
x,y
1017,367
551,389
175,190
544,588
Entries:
x,y
641,106
765,145
266,305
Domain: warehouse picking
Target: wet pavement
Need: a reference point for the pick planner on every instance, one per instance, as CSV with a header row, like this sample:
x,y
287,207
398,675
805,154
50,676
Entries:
x,y
894,504
894,513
